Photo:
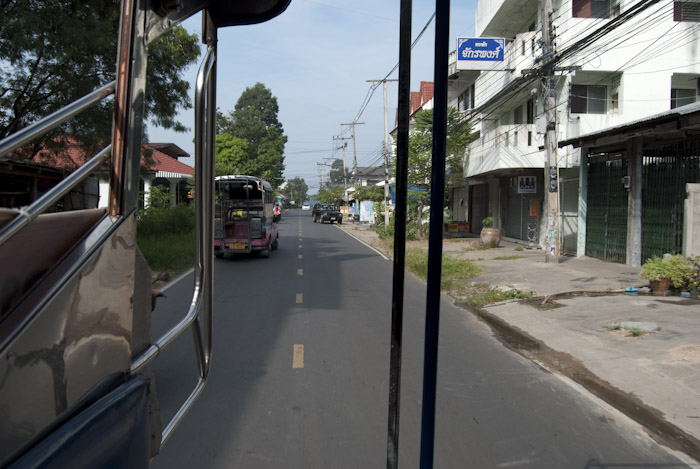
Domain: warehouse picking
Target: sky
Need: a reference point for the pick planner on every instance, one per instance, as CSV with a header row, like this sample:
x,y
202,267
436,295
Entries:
x,y
315,58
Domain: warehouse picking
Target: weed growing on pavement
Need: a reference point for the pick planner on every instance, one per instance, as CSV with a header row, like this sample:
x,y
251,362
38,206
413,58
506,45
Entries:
x,y
482,294
508,258
519,249
630,331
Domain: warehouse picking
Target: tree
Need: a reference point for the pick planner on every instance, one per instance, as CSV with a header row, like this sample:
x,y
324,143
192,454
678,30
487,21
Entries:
x,y
333,195
420,153
254,119
297,190
231,155
371,193
338,172
56,51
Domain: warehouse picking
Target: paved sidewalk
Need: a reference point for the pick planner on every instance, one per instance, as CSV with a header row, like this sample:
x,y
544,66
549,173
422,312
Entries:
x,y
655,378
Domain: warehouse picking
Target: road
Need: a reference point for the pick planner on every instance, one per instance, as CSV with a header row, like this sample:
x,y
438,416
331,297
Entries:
x,y
300,375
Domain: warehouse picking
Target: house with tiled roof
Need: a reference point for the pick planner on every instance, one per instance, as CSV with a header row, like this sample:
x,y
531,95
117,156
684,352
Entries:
x,y
159,167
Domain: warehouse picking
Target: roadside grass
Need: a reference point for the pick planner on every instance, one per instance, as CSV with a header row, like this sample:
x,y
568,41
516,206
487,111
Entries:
x,y
508,258
172,252
166,238
455,272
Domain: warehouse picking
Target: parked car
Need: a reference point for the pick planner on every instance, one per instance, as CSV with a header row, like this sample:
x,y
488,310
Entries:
x,y
306,206
326,212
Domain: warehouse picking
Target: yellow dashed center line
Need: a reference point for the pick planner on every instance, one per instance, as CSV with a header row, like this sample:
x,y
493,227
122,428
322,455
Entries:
x,y
299,256
300,271
298,357
300,298
300,246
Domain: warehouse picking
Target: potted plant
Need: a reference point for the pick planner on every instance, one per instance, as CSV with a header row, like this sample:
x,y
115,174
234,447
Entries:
x,y
664,272
490,236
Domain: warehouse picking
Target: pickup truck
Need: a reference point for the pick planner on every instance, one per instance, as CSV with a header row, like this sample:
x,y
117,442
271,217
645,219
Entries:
x,y
326,212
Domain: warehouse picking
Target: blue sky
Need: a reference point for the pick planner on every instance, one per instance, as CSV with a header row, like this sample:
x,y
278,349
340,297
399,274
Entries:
x,y
316,58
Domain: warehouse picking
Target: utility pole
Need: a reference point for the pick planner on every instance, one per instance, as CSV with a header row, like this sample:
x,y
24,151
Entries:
x,y
345,171
320,173
354,150
386,151
551,171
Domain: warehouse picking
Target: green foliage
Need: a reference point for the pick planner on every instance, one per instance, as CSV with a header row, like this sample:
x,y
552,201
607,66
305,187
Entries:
x,y
171,252
297,189
483,294
487,222
675,268
338,173
158,199
231,154
333,195
161,221
371,193
519,248
420,155
56,51
254,119
455,272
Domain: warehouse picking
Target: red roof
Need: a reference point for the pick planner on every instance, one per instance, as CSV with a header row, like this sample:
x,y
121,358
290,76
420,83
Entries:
x,y
72,157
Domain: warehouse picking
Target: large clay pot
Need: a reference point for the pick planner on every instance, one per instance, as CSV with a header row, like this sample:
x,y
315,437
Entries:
x,y
660,287
490,237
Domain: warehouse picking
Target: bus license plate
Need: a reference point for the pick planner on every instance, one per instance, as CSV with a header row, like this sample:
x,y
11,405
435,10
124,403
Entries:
x,y
236,246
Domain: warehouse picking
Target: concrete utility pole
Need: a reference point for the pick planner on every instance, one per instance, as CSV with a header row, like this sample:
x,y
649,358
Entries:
x,y
354,149
551,171
386,152
320,173
345,171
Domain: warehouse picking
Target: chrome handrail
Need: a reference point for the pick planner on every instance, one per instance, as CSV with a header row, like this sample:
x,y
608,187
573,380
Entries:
x,y
29,133
26,215
203,289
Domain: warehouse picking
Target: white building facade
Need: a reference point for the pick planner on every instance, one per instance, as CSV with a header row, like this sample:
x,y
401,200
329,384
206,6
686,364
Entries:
x,y
616,62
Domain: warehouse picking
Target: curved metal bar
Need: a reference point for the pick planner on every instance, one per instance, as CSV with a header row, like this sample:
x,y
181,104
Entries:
x,y
29,133
30,213
197,296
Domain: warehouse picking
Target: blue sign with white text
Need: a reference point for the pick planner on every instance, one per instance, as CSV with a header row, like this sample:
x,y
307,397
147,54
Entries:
x,y
479,53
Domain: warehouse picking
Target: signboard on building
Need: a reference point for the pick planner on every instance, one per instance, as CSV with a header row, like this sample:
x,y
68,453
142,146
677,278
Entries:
x,y
527,184
481,53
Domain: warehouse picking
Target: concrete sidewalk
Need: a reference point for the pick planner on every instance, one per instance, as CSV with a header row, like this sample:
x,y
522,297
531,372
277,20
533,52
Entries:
x,y
654,378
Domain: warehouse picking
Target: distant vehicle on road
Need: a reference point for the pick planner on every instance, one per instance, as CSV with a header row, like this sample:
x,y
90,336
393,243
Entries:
x,y
326,212
306,206
244,216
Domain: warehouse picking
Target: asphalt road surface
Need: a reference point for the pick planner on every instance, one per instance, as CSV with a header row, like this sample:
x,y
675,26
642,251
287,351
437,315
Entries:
x,y
300,375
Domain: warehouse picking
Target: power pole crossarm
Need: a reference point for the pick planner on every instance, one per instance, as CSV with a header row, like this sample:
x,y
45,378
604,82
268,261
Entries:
x,y
354,149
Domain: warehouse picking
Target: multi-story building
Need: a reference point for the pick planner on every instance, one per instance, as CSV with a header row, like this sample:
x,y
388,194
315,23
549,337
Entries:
x,y
616,61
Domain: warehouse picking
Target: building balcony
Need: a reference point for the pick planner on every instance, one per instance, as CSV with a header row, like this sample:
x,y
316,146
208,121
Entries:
x,y
505,18
505,147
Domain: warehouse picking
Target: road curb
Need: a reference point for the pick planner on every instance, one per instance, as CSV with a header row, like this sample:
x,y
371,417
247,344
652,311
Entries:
x,y
651,419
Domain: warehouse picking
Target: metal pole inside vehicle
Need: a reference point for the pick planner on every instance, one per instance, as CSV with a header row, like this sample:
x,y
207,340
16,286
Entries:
x,y
437,191
404,111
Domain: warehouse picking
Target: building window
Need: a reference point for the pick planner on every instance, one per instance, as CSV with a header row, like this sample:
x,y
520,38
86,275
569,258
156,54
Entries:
x,y
591,8
588,99
518,115
686,10
466,99
682,96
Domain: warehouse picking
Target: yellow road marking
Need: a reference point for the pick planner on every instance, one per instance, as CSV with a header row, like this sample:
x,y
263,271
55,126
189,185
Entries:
x,y
300,271
298,359
299,256
300,246
300,297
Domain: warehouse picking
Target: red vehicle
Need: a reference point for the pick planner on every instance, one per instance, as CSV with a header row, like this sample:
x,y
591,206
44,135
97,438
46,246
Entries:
x,y
244,219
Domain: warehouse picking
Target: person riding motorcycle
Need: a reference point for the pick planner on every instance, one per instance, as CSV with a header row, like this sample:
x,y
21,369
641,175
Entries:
x,y
276,214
